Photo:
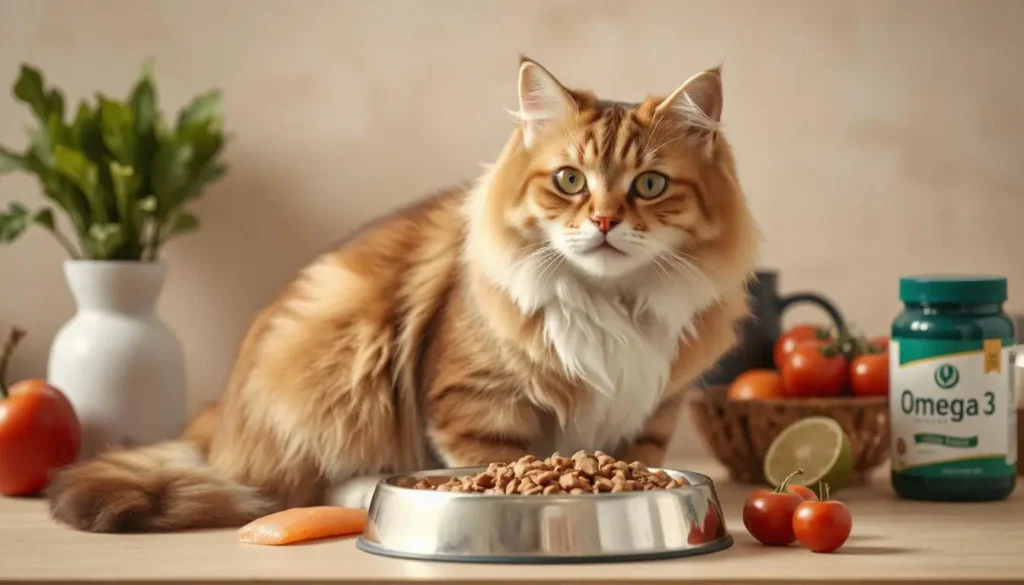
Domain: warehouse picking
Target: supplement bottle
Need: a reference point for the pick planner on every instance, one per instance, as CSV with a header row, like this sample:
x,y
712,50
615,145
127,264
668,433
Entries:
x,y
951,390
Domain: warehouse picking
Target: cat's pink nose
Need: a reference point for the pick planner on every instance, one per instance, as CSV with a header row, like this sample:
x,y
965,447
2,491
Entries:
x,y
605,223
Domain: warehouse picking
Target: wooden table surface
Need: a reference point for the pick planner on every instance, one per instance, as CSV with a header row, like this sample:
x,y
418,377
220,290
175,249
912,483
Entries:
x,y
892,541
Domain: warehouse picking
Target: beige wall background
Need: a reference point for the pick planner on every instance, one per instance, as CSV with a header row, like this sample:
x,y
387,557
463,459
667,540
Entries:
x,y
874,138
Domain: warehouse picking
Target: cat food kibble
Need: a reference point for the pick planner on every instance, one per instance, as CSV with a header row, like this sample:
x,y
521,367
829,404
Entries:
x,y
583,473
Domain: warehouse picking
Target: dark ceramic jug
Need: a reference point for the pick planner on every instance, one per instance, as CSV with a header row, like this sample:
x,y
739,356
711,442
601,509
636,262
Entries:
x,y
759,332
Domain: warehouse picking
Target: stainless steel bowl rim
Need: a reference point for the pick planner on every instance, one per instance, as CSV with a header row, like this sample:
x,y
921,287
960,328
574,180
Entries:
x,y
391,483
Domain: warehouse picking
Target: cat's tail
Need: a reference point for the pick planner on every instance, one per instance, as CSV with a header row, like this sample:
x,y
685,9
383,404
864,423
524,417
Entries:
x,y
167,486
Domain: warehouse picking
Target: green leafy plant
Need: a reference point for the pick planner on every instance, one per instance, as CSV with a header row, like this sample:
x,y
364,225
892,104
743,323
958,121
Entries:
x,y
120,173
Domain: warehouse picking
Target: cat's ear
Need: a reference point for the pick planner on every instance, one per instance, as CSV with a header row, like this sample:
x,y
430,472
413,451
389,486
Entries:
x,y
698,104
542,99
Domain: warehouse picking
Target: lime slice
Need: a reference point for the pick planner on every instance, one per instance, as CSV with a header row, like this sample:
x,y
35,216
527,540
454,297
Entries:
x,y
818,446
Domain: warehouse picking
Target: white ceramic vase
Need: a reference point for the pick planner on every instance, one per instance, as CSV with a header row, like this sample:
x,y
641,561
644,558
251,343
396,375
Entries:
x,y
122,368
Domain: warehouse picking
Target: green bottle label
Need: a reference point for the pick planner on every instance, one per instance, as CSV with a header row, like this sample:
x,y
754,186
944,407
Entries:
x,y
952,407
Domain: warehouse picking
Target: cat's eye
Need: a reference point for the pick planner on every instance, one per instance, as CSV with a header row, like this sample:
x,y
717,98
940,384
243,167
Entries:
x,y
649,185
570,181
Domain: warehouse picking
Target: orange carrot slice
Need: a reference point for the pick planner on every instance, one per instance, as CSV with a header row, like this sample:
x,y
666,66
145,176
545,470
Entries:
x,y
299,524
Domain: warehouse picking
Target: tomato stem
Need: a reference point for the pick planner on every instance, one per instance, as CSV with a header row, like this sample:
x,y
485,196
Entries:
x,y
823,491
5,356
785,483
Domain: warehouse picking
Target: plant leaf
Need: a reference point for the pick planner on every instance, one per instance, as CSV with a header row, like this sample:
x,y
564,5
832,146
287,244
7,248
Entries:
x,y
58,132
55,102
42,146
144,111
206,141
106,239
13,222
205,107
86,132
126,183
125,180
143,104
16,208
118,127
44,217
74,165
184,222
148,204
10,162
160,127
29,89
171,174
206,175
148,65
61,190
85,175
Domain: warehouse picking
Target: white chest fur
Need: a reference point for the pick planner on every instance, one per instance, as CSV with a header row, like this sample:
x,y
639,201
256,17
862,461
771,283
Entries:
x,y
620,342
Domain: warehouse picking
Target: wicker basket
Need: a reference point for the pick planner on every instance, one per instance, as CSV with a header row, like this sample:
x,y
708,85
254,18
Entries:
x,y
738,432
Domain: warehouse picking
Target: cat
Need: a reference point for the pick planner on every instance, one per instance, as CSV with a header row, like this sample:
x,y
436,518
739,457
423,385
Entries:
x,y
563,301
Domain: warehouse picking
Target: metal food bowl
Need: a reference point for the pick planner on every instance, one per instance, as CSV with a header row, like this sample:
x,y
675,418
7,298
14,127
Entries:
x,y
587,528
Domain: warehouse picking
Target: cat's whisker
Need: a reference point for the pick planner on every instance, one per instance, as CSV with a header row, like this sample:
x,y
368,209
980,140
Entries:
x,y
690,270
541,252
551,263
547,259
534,253
561,260
533,245
678,263
685,259
653,131
696,258
667,276
675,265
666,143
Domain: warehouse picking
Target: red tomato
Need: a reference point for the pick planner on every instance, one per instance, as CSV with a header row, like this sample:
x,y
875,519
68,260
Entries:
x,y
822,526
812,370
756,384
869,374
39,433
768,514
788,341
804,492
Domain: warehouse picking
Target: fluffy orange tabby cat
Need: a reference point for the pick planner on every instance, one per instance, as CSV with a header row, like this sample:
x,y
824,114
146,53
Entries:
x,y
562,302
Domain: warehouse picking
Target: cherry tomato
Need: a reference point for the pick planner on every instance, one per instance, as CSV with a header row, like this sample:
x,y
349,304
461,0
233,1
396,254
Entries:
x,y
788,341
824,525
869,374
756,384
804,492
768,514
812,370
